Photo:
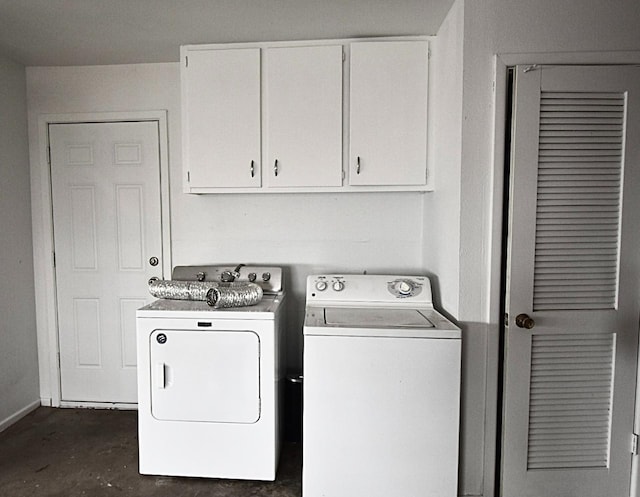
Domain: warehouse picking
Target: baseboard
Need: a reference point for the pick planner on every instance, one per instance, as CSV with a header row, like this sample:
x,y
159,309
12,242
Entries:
x,y
99,405
5,423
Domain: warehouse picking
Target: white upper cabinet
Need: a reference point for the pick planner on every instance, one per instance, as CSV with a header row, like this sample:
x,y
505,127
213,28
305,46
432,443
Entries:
x,y
388,113
303,116
221,118
276,117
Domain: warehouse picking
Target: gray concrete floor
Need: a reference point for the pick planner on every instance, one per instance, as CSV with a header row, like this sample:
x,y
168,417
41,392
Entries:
x,y
88,452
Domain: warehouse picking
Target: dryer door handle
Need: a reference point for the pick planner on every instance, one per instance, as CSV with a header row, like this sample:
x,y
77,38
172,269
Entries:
x,y
160,375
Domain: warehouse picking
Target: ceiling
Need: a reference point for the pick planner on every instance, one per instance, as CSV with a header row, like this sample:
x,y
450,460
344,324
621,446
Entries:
x,y
96,32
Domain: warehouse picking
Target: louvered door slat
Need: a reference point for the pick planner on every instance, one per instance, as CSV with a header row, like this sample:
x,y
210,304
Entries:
x,y
576,257
584,159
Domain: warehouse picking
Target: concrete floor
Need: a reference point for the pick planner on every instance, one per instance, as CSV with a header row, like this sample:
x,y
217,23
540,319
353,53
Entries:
x,y
87,452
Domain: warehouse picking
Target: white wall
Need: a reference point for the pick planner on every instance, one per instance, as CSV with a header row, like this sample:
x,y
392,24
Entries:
x,y
442,256
306,233
442,206
18,352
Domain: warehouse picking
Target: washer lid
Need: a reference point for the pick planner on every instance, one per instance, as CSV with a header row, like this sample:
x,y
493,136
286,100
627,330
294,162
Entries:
x,y
375,318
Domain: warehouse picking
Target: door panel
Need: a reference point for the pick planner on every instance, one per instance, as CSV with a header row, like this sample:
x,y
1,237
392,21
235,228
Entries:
x,y
221,117
303,89
388,113
106,213
573,267
205,376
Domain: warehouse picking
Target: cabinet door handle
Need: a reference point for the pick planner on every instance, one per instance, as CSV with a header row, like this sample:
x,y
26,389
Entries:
x,y
252,170
358,165
275,167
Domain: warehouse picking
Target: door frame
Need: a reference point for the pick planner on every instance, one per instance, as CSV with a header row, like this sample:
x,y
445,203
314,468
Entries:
x,y
501,64
43,248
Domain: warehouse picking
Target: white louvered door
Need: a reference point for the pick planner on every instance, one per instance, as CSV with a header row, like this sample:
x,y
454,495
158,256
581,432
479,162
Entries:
x,y
573,267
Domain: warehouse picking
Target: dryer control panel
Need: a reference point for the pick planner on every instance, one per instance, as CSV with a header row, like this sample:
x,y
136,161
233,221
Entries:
x,y
268,277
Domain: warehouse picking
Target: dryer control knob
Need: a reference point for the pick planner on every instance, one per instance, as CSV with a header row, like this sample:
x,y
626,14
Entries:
x,y
338,285
321,285
252,277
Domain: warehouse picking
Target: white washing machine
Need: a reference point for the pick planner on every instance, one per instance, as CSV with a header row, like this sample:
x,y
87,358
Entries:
x,y
381,389
209,381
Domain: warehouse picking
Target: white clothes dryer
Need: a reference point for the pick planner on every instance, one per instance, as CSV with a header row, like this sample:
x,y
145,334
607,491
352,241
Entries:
x,y
381,389
209,381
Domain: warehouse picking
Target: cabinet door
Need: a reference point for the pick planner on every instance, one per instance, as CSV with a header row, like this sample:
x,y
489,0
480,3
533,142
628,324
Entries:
x,y
221,117
303,116
388,113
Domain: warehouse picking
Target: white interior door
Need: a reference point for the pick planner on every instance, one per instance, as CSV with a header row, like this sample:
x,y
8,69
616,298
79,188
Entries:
x,y
106,215
574,270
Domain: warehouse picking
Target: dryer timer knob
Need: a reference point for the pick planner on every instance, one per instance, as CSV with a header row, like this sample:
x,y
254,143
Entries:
x,y
338,285
321,285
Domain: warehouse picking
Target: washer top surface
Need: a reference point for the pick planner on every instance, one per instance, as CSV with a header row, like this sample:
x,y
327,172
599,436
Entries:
x,y
378,322
376,318
374,306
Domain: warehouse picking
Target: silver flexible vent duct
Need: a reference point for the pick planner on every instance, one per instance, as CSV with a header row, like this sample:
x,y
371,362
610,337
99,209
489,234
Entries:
x,y
234,295
215,294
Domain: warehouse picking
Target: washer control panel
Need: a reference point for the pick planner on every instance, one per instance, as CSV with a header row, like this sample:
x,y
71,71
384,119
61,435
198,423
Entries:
x,y
346,288
323,283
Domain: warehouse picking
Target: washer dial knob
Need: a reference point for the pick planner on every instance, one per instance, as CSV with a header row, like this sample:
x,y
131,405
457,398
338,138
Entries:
x,y
321,285
404,287
338,285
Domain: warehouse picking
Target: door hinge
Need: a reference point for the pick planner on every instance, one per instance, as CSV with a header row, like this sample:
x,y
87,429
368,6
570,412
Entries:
x,y
186,61
54,259
344,175
506,319
188,176
344,56
634,444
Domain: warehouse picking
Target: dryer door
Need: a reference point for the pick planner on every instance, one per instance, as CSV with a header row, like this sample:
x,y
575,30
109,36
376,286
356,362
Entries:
x,y
206,376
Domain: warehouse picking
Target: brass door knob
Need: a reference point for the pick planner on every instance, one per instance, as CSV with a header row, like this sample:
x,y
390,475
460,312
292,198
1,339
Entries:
x,y
524,321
